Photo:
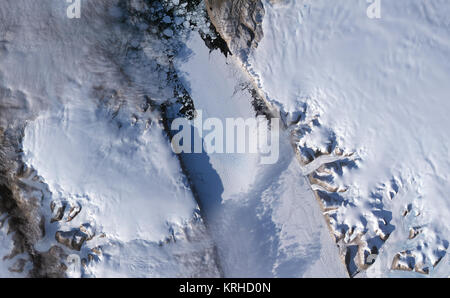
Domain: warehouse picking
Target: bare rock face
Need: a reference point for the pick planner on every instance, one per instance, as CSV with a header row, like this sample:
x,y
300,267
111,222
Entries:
x,y
73,239
20,202
239,23
49,264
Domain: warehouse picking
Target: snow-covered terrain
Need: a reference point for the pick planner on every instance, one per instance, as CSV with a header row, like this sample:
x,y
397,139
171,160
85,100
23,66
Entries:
x,y
373,94
90,185
128,170
263,218
122,176
111,190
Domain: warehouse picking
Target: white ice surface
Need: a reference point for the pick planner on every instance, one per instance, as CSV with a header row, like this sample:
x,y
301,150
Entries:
x,y
121,171
128,180
382,85
263,218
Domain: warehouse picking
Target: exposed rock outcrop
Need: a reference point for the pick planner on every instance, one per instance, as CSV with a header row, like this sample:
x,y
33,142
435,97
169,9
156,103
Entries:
x,y
20,203
239,23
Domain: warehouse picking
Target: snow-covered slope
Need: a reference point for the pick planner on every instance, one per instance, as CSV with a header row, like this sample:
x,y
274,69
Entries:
x,y
110,168
373,94
111,190
121,176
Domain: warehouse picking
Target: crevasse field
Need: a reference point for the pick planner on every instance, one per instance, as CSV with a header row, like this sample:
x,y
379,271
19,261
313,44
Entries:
x,y
363,168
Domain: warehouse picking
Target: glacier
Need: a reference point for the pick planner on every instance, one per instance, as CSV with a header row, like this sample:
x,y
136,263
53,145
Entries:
x,y
372,94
